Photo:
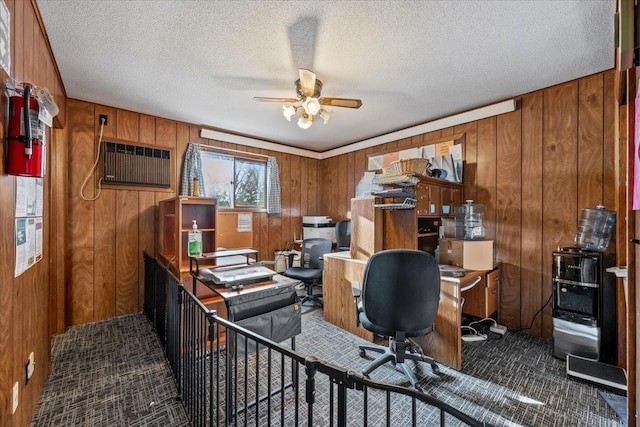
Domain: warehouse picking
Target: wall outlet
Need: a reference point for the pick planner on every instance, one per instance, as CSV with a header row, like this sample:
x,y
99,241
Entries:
x,y
104,119
31,365
16,395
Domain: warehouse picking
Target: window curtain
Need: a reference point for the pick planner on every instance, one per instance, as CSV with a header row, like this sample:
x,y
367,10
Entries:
x,y
191,169
273,187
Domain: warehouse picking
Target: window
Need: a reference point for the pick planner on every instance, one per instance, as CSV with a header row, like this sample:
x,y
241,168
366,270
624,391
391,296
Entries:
x,y
236,182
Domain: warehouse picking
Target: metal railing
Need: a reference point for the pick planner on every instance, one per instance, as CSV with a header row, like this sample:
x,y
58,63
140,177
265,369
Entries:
x,y
228,375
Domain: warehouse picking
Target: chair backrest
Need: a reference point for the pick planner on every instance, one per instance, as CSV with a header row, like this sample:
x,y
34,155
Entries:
x,y
312,251
401,290
343,234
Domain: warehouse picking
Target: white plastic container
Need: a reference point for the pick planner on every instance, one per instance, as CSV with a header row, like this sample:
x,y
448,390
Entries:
x,y
194,247
469,221
595,229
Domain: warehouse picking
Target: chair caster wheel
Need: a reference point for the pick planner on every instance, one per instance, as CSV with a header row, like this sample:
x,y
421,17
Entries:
x,y
362,353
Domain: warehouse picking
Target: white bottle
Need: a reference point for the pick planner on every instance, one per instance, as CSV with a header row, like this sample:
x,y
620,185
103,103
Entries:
x,y
195,241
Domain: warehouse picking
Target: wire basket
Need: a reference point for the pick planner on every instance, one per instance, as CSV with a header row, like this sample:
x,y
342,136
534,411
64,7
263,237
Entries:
x,y
410,166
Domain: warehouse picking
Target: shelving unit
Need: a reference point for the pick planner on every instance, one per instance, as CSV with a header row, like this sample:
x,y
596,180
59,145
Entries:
x,y
175,223
417,227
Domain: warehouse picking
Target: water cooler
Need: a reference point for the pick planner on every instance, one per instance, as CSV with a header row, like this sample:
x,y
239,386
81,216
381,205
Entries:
x,y
584,305
584,302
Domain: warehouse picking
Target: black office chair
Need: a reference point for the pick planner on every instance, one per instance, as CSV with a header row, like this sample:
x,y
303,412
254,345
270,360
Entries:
x,y
399,299
311,265
343,235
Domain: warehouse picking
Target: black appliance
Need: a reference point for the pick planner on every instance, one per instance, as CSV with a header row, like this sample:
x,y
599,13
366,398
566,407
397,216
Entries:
x,y
584,305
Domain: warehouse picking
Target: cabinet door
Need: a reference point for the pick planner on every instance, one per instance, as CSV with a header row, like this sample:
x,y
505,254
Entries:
x,y
435,199
446,207
451,197
422,199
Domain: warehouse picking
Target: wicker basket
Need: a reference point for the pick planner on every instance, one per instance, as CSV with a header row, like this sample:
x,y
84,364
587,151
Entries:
x,y
411,166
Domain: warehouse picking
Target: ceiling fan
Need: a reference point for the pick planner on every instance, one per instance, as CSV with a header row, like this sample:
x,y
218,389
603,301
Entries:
x,y
309,101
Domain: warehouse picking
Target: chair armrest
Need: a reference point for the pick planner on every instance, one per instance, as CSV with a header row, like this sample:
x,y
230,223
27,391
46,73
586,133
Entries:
x,y
355,290
291,256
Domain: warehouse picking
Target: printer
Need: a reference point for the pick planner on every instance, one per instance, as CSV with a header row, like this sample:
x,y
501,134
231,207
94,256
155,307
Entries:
x,y
318,226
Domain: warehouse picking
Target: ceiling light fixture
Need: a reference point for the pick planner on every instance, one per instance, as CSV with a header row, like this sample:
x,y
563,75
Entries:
x,y
309,102
310,107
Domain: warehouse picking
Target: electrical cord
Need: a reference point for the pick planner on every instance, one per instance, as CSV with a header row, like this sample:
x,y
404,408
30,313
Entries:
x,y
535,315
84,183
484,320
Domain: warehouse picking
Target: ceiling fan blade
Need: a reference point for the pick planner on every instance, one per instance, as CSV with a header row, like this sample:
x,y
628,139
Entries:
x,y
341,102
285,100
307,82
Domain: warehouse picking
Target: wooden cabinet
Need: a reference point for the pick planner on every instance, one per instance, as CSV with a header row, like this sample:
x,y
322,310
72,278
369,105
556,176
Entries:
x,y
418,228
175,220
437,198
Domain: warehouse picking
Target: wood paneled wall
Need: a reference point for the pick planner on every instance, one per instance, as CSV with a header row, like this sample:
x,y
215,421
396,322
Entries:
x,y
534,169
30,302
106,237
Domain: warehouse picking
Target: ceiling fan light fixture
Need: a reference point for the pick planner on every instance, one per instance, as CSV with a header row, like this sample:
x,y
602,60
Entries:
x,y
311,105
305,121
289,111
308,101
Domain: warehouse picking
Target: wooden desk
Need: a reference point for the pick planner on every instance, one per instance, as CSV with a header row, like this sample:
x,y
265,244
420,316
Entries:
x,y
444,344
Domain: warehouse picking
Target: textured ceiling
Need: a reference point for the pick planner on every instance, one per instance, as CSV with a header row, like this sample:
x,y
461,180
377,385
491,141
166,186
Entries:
x,y
410,62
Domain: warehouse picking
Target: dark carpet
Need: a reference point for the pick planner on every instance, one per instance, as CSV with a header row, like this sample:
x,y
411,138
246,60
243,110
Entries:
x,y
113,372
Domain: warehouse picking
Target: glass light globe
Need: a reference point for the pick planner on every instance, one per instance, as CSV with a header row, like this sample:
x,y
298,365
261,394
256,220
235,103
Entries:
x,y
311,105
305,121
326,115
288,111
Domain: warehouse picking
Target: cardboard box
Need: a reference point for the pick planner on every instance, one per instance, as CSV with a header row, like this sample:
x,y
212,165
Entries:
x,y
468,254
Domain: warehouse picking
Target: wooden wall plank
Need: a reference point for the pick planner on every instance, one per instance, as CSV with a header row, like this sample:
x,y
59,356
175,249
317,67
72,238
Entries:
x,y
470,156
29,54
284,167
104,272
81,213
486,174
295,191
590,142
610,107
342,194
508,215
531,265
560,178
127,250
147,211
351,183
104,276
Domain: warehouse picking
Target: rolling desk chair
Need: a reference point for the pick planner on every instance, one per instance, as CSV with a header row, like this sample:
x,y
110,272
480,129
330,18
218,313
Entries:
x,y
343,235
311,266
399,299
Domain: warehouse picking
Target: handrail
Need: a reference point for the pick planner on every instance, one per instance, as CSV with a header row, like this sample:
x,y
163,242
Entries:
x,y
187,374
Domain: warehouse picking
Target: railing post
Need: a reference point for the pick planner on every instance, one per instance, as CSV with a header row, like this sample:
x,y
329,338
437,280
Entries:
x,y
310,387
